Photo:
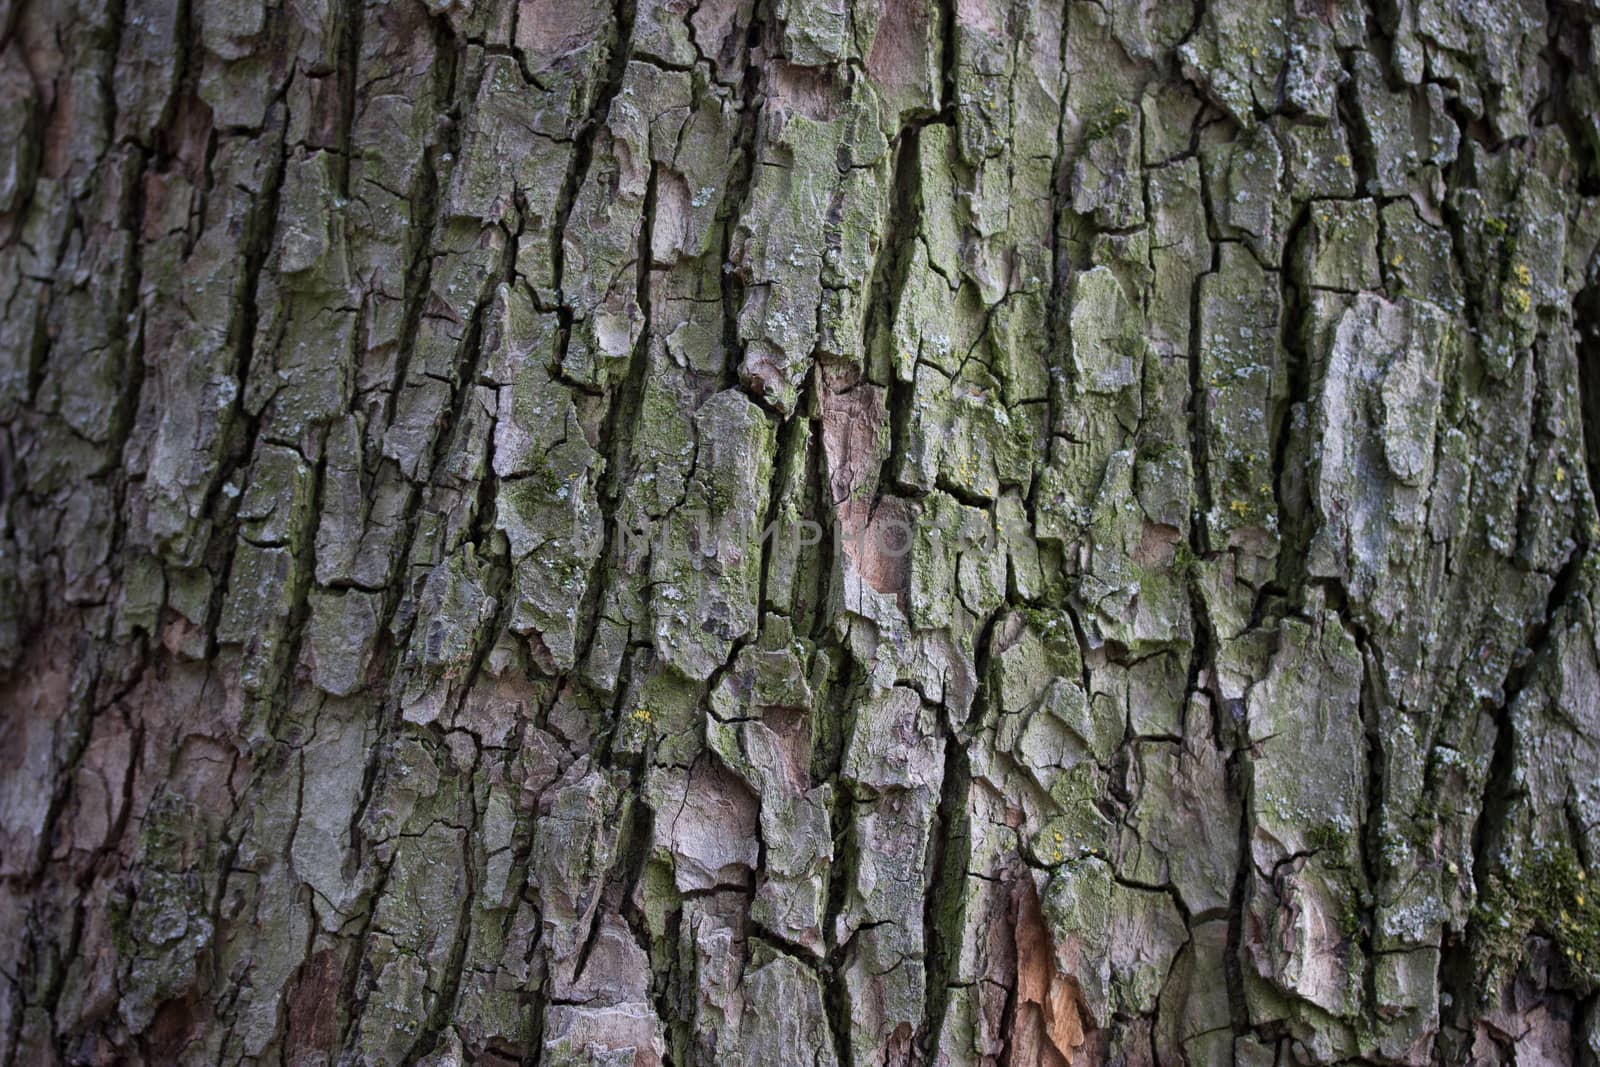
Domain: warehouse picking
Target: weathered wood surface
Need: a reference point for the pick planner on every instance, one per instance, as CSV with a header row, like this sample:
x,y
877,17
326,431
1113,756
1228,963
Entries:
x,y
1175,429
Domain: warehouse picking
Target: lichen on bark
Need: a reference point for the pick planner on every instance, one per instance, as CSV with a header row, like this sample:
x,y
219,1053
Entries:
x,y
854,532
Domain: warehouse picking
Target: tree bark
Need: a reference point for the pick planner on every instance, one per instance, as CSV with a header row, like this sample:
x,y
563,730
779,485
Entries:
x,y
831,532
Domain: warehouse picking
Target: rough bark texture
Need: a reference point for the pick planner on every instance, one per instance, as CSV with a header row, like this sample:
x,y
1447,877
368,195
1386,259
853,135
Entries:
x,y
829,532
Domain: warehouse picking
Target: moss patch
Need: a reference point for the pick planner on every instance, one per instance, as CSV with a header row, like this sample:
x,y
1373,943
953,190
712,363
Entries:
x,y
1552,896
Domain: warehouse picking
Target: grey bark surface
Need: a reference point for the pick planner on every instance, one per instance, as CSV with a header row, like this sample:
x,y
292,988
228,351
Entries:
x,y
833,532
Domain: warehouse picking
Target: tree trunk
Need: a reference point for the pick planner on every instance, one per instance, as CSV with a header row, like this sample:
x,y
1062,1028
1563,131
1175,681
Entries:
x,y
812,532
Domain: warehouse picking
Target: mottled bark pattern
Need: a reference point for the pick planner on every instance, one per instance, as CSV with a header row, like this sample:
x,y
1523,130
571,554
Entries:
x,y
1176,429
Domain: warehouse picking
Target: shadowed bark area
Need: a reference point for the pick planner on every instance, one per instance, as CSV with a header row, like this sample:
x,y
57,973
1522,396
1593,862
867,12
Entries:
x,y
852,533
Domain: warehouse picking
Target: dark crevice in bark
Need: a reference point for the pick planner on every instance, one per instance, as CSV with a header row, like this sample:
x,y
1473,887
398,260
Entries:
x,y
1373,698
99,866
284,1023
1240,779
537,1003
468,366
1290,421
830,553
792,451
38,353
426,197
1502,788
351,16
481,532
357,984
1008,1012
885,290
1204,653
353,992
619,51
634,839
239,435
302,571
886,284
948,61
1566,54
1055,320
116,15
667,972
1363,153
621,421
846,681
1586,324
730,280
950,854
1460,176
1199,417
449,990
130,375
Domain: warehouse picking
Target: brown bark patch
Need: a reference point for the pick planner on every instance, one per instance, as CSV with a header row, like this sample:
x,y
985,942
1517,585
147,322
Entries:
x,y
874,532
314,1007
1050,1024
177,1023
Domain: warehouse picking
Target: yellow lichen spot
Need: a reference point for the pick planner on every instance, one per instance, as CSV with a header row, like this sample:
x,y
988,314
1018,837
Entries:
x,y
1519,294
1397,260
1561,475
1239,507
1342,159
